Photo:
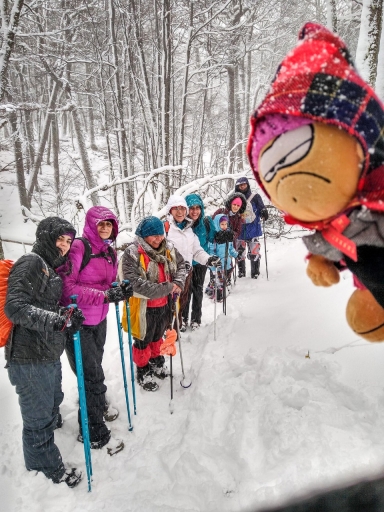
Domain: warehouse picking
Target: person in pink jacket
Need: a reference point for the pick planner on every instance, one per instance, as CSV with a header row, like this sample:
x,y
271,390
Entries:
x,y
89,273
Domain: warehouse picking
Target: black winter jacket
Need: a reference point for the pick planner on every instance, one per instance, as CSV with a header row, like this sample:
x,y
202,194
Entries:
x,y
33,294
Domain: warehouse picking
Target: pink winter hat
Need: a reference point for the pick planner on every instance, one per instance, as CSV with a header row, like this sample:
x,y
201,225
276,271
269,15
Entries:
x,y
237,201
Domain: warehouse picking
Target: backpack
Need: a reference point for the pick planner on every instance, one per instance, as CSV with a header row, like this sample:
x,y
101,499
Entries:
x,y
5,268
88,253
249,215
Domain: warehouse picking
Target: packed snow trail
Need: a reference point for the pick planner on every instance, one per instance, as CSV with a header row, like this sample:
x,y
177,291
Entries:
x,y
261,422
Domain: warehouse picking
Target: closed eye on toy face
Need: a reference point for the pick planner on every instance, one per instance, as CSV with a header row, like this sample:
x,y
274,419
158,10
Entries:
x,y
286,150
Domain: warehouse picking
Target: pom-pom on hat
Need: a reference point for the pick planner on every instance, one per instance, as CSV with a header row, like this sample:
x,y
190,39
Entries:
x,y
150,226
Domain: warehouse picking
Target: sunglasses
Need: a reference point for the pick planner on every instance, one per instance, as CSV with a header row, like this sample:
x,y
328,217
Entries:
x,y
179,208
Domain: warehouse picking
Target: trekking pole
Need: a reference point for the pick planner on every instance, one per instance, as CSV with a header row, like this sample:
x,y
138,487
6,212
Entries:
x,y
128,313
119,330
82,398
184,383
225,279
214,322
265,249
234,266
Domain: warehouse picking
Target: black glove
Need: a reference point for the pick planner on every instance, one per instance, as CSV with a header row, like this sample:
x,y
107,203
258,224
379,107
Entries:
x,y
127,289
240,250
114,294
221,237
213,261
264,214
69,319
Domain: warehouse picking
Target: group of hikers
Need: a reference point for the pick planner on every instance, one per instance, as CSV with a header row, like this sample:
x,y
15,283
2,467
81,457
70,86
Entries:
x,y
165,264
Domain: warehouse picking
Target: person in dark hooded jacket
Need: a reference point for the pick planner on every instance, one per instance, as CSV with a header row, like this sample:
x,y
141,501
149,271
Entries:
x,y
234,208
36,343
203,228
254,212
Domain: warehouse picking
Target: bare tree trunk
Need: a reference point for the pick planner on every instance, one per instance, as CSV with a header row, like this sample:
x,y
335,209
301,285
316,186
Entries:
x,y
231,117
43,140
331,15
369,39
55,154
185,87
17,145
8,40
86,164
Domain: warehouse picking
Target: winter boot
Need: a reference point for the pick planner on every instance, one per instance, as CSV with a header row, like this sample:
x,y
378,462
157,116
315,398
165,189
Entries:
x,y
110,413
255,269
158,367
112,445
144,376
194,326
219,295
71,476
241,267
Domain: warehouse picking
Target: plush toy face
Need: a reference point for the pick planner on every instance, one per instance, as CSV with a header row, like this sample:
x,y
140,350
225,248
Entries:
x,y
311,172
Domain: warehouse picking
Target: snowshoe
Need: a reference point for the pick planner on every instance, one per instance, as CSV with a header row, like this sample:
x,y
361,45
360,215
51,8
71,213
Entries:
x,y
110,413
71,476
194,326
183,326
158,367
144,377
112,445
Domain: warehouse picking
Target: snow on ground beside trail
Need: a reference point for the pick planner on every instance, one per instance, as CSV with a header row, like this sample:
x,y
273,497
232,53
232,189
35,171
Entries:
x,y
261,422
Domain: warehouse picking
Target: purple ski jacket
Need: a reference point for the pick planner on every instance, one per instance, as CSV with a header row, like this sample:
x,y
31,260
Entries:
x,y
96,277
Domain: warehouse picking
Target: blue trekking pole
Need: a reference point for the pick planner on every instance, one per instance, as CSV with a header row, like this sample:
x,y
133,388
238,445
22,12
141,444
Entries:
x,y
128,313
130,428
82,399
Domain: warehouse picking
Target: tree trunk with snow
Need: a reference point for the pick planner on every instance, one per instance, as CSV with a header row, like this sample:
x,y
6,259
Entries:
x,y
9,23
368,45
18,152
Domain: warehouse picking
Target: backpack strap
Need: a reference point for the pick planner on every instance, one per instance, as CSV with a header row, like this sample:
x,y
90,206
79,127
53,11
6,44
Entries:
x,y
166,227
88,253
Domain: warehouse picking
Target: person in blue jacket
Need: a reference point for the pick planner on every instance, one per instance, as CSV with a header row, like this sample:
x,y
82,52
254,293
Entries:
x,y
203,228
255,211
225,251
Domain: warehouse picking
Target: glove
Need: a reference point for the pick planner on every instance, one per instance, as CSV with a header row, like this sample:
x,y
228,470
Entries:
x,y
213,261
221,237
127,289
114,294
240,250
264,214
70,319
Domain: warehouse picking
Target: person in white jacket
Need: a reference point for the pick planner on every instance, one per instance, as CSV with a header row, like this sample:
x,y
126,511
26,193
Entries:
x,y
180,233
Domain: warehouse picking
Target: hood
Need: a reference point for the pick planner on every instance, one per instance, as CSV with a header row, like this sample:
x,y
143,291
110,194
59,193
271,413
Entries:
x,y
241,181
317,81
233,196
175,200
95,215
47,233
216,221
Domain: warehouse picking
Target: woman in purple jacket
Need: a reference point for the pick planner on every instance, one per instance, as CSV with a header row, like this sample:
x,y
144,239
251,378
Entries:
x,y
92,285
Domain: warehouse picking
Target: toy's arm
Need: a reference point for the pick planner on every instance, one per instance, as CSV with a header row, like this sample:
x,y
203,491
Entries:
x,y
321,271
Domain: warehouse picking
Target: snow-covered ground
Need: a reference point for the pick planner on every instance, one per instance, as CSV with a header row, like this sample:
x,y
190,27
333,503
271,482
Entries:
x,y
262,421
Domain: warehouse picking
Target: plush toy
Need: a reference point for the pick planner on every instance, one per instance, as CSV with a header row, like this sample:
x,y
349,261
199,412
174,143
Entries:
x,y
316,147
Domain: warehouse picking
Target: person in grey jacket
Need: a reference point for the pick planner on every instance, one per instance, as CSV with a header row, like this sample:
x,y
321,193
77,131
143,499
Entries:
x,y
156,271
36,343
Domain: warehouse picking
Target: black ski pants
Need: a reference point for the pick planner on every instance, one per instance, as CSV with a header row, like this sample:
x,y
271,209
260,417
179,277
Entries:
x,y
92,339
196,293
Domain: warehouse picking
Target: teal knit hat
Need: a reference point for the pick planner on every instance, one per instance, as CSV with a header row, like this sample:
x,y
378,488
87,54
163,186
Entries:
x,y
150,226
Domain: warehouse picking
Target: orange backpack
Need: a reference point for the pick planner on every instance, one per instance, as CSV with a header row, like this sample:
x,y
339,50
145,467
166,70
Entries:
x,y
5,323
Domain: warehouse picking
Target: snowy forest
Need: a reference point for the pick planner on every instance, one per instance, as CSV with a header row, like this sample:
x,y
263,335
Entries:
x,y
122,103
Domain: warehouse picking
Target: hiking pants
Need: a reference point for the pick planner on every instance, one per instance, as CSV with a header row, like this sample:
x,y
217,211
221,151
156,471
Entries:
x,y
39,388
158,320
196,292
92,339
